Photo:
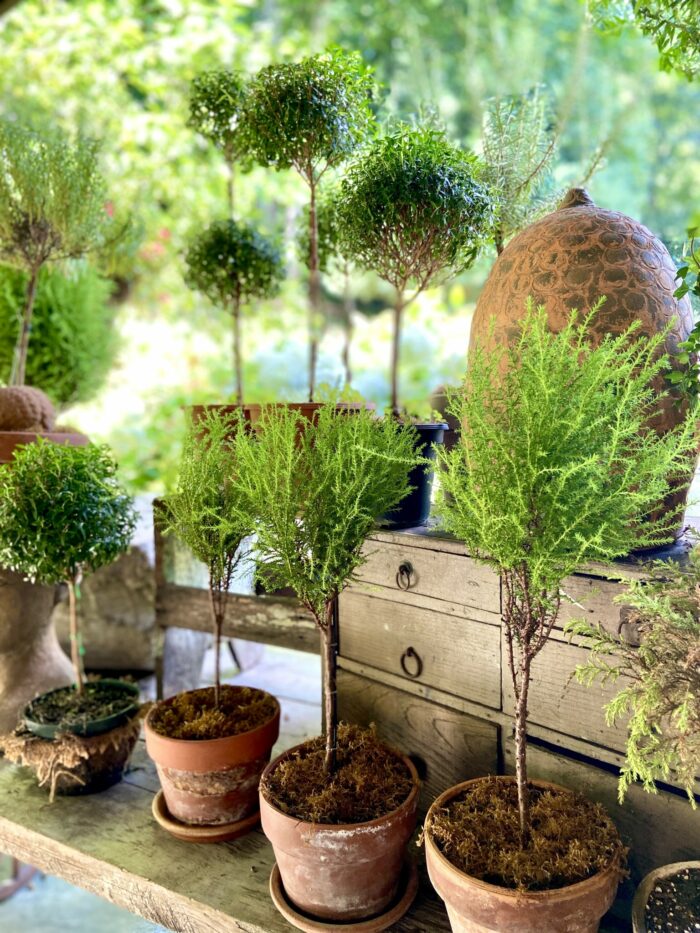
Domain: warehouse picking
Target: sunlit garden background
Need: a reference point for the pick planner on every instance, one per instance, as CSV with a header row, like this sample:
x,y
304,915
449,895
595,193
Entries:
x,y
144,345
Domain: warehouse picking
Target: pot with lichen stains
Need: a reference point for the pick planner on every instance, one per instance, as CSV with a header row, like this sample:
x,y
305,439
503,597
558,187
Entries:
x,y
340,872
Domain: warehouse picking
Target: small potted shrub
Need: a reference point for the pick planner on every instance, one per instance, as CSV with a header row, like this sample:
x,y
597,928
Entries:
x,y
556,466
310,115
412,208
63,514
211,745
232,264
660,669
338,809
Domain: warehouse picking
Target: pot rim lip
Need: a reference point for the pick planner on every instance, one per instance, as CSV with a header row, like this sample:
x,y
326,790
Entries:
x,y
207,743
456,873
406,804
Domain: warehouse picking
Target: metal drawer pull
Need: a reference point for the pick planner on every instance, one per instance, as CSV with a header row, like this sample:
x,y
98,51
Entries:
x,y
411,654
404,576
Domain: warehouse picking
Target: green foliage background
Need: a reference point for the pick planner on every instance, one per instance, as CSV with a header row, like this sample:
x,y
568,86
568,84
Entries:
x,y
121,72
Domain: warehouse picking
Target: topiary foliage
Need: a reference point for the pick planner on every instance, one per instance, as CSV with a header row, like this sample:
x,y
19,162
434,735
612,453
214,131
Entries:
x,y
662,675
63,514
205,510
315,490
557,466
74,340
310,115
232,264
52,206
413,209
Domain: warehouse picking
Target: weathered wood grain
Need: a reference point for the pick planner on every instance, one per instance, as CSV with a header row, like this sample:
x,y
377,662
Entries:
x,y
457,655
446,745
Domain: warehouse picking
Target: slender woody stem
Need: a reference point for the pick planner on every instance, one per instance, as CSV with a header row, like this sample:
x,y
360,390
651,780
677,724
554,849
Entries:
x,y
19,365
314,287
237,360
349,307
76,641
395,350
329,639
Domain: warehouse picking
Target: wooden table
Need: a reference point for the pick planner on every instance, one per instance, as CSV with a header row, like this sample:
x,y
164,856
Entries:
x,y
110,845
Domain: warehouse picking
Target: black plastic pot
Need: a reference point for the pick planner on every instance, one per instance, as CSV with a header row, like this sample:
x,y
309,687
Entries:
x,y
88,727
414,510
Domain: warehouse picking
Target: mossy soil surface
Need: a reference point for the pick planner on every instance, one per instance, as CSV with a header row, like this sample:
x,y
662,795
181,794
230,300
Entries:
x,y
67,707
370,780
196,716
571,840
674,903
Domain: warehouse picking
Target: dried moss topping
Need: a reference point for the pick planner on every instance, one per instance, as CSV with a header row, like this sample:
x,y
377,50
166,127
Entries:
x,y
67,707
194,715
371,780
572,838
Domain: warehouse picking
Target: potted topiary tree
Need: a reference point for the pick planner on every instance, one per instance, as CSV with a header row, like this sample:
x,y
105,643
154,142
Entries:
x,y
310,116
63,514
232,264
413,209
338,809
211,745
660,668
556,466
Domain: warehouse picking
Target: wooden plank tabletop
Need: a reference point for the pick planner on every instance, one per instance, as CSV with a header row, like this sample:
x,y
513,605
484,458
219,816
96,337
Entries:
x,y
109,844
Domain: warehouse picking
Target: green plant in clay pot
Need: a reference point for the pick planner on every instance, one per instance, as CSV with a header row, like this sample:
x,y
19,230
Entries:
x,y
64,514
310,116
218,739
556,467
315,489
233,265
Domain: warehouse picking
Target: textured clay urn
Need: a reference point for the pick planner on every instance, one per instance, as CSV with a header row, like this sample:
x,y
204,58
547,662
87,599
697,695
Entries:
x,y
341,873
31,659
474,906
212,782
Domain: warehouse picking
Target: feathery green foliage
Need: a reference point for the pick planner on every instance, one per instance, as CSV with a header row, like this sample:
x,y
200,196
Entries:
x,y
74,341
315,489
557,466
661,695
231,263
63,513
209,510
519,145
414,210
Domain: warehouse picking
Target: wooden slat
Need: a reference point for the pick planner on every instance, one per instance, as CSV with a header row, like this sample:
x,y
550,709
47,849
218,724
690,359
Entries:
x,y
274,620
448,746
458,655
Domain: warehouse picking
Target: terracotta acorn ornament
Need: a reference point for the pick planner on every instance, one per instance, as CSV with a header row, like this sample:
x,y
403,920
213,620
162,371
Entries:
x,y
25,414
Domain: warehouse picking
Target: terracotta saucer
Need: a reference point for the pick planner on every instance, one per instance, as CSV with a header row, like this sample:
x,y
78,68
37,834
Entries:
x,y
408,887
222,832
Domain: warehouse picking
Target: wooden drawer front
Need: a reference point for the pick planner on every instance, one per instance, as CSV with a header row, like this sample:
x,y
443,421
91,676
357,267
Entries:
x,y
592,599
459,656
435,574
447,746
558,701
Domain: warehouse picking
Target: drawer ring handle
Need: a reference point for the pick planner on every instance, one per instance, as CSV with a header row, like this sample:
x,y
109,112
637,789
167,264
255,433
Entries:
x,y
404,575
411,653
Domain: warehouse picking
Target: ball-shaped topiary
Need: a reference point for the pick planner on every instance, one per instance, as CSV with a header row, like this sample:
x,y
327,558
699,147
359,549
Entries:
x,y
413,209
63,513
232,264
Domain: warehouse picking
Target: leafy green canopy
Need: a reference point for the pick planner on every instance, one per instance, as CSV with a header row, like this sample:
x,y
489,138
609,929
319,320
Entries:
x,y
63,512
557,465
311,114
74,342
315,490
216,102
232,262
662,675
52,197
412,207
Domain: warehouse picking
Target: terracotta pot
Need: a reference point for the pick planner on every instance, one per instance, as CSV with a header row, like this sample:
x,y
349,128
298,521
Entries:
x,y
340,872
11,440
474,906
211,781
31,660
649,882
251,413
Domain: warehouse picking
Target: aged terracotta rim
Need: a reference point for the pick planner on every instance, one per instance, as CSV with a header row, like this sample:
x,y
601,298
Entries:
x,y
204,833
535,896
407,894
204,755
340,827
11,440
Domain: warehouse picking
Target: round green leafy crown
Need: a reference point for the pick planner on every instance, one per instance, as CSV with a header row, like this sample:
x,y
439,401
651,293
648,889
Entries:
x,y
216,104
